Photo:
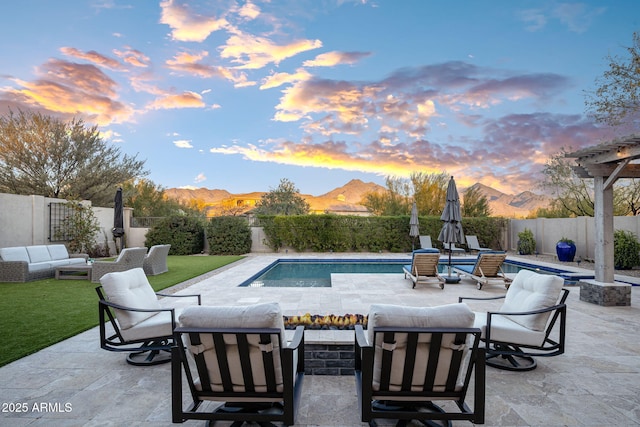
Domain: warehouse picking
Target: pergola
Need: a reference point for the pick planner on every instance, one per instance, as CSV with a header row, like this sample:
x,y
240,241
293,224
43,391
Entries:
x,y
606,163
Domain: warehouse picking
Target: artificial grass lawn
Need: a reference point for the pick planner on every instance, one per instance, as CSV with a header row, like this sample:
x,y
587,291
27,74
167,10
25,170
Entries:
x,y
35,315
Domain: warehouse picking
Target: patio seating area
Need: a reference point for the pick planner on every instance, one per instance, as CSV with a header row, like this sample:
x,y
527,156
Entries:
x,y
596,382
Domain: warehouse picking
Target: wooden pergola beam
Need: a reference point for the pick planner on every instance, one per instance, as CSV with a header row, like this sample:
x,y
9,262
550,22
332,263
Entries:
x,y
630,170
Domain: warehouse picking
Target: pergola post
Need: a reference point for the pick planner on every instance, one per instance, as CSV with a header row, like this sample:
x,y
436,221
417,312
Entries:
x,y
603,212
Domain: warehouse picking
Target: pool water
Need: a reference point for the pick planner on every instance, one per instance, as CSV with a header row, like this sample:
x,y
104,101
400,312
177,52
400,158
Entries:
x,y
316,273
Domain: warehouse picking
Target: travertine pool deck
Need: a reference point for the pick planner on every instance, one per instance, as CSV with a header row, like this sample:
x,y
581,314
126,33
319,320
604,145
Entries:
x,y
595,383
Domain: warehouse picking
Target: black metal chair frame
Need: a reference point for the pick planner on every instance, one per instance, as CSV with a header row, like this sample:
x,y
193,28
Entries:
x,y
373,404
239,406
521,357
144,351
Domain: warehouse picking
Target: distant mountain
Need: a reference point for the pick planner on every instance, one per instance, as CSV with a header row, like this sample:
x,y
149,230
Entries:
x,y
347,200
508,205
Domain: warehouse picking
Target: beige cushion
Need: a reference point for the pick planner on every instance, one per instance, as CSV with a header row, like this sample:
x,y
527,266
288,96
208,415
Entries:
x,y
531,291
267,315
452,315
38,253
130,289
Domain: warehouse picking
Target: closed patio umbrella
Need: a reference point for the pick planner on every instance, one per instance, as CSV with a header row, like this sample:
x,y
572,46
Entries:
x,y
414,225
452,227
118,218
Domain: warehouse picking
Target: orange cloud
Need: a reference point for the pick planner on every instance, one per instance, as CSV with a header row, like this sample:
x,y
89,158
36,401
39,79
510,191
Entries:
x,y
186,25
185,99
189,63
93,56
254,52
330,59
71,89
133,57
279,79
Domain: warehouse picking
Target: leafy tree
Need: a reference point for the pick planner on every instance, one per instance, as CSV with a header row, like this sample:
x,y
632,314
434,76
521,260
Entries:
x,y
616,100
396,200
45,156
284,200
475,204
573,196
149,200
428,190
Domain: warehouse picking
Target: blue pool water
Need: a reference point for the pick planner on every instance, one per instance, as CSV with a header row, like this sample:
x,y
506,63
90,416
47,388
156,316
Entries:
x,y
317,273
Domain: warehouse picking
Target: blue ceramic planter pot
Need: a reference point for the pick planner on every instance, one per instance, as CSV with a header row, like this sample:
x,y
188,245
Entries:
x,y
565,251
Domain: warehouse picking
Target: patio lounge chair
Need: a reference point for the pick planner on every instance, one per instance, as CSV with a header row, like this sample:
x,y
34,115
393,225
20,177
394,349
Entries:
x,y
410,357
425,242
474,245
488,268
137,323
526,326
237,356
155,262
129,258
424,267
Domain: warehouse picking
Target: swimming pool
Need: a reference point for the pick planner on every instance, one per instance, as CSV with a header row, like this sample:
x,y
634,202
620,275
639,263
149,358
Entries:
x,y
305,273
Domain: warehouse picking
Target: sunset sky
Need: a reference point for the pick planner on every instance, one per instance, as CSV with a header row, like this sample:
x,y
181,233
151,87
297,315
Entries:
x,y
236,95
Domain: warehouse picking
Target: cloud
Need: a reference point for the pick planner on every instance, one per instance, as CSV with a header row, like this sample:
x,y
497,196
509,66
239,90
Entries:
x,y
133,57
279,79
183,143
407,101
578,17
70,89
200,178
330,59
186,25
253,52
190,63
93,56
185,99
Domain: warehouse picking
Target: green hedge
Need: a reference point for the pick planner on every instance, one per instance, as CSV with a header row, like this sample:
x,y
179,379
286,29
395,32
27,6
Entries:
x,y
184,233
338,233
228,235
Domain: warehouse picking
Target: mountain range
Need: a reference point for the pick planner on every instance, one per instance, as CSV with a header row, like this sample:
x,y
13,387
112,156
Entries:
x,y
347,199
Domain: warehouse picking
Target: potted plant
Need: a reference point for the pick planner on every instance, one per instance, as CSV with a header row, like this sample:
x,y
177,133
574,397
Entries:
x,y
526,242
566,250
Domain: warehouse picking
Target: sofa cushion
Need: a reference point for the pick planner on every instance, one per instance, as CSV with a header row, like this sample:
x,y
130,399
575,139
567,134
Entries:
x,y
17,253
40,266
38,253
532,291
446,316
267,315
130,289
58,252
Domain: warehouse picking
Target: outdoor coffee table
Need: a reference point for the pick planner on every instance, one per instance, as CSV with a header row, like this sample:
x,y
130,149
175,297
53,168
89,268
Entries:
x,y
74,272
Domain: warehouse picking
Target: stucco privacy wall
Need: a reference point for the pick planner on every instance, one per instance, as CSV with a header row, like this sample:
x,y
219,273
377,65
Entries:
x,y
24,220
547,232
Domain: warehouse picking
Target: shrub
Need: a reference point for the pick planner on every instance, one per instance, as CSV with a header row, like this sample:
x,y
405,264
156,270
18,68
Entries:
x,y
626,250
228,235
526,242
185,234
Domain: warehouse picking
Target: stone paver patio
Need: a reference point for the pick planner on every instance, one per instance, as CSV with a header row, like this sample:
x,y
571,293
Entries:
x,y
596,382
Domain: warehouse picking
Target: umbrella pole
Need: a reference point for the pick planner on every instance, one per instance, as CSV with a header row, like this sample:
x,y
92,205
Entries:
x,y
450,278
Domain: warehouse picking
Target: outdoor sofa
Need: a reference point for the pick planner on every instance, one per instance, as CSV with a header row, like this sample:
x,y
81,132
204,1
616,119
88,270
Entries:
x,y
26,263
